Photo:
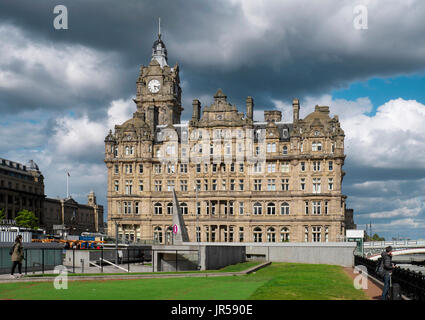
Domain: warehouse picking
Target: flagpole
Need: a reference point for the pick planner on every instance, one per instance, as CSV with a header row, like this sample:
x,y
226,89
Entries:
x,y
67,188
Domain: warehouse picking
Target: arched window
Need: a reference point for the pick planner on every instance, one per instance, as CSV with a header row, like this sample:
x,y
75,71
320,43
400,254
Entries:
x,y
258,235
284,208
183,207
157,208
258,209
284,234
271,208
169,235
169,208
157,235
271,235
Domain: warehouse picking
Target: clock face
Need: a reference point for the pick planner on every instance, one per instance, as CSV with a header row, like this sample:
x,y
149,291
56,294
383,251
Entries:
x,y
154,86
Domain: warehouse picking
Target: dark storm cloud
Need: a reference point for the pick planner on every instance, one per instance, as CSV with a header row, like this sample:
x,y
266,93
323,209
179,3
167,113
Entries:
x,y
305,50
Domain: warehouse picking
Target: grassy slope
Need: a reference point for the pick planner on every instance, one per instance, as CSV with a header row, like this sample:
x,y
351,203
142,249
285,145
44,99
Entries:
x,y
278,281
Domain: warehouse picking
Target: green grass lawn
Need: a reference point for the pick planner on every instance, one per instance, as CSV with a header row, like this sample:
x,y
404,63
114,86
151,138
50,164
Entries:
x,y
282,281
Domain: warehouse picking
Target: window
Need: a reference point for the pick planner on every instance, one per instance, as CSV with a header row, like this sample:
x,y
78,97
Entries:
x,y
207,233
316,234
213,206
198,185
169,208
232,184
241,208
284,208
271,147
231,208
183,168
170,168
206,184
214,185
223,184
140,185
157,168
158,185
316,207
302,164
214,167
157,235
207,207
116,169
198,234
198,208
326,234
330,165
271,235
240,234
140,168
198,168
257,151
333,147
116,185
183,185
271,184
284,234
136,207
170,185
285,150
285,166
183,208
316,165
128,168
326,207
257,167
258,236
285,184
157,208
330,184
271,167
230,234
240,184
316,146
305,234
240,167
128,187
232,167
271,209
302,184
306,207
257,184
228,150
258,208
206,167
316,185
115,152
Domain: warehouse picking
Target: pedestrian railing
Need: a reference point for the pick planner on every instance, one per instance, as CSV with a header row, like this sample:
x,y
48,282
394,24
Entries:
x,y
412,284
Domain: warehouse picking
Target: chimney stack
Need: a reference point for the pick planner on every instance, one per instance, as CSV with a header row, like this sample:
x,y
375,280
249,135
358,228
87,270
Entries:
x,y
296,109
250,108
196,110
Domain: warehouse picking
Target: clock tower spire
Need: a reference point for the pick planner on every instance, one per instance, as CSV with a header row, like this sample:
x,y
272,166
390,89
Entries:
x,y
158,96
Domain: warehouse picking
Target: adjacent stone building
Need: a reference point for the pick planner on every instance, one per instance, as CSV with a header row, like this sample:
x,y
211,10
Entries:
x,y
22,187
237,180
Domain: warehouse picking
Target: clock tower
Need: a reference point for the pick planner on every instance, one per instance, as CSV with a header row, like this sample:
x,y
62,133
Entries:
x,y
158,97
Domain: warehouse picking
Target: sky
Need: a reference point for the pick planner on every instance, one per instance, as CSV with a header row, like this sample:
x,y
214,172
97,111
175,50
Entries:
x,y
61,90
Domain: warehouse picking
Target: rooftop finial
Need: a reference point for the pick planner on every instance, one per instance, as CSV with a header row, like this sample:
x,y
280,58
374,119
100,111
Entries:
x,y
159,27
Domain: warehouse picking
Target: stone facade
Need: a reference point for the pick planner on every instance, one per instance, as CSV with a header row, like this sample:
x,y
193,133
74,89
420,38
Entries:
x,y
22,187
236,180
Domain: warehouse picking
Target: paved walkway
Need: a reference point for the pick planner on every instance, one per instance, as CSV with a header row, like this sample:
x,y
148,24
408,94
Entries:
x,y
373,291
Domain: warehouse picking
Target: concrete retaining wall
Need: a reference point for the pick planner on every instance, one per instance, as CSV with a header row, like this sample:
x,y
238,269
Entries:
x,y
216,257
334,253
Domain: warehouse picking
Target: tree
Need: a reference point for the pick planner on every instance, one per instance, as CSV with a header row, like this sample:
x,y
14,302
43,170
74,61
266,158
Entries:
x,y
375,237
2,215
26,219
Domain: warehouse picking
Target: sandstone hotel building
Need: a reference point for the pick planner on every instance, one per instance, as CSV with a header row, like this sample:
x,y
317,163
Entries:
x,y
236,180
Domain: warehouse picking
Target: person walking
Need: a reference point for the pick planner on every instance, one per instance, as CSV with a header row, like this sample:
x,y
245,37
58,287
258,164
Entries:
x,y
388,267
17,257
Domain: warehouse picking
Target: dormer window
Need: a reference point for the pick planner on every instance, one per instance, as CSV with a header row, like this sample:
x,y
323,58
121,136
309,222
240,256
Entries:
x,y
316,146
